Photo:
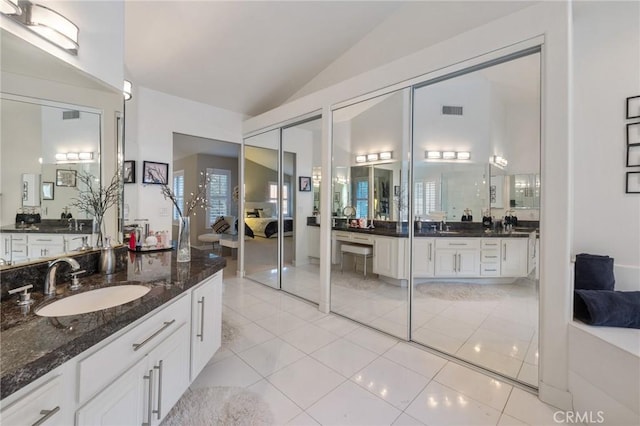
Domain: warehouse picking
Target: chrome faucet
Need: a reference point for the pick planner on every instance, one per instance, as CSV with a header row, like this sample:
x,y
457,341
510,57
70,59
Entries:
x,y
50,278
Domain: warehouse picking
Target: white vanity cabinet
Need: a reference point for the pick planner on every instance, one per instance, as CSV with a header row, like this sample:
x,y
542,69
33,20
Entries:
x,y
514,262
423,257
389,255
43,405
490,257
46,245
158,348
313,241
206,322
457,257
14,247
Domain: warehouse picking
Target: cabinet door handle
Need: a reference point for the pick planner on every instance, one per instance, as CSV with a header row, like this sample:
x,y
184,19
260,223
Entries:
x,y
46,415
430,251
459,262
201,335
491,257
504,251
150,399
44,239
159,410
457,244
137,346
455,263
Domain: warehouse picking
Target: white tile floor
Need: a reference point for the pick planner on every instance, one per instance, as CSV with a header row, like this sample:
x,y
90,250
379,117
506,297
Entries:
x,y
313,368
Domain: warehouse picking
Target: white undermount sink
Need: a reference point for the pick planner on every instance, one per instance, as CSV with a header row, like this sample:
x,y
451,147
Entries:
x,y
92,301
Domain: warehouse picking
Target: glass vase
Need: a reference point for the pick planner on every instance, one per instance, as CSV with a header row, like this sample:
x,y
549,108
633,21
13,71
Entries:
x,y
184,246
97,229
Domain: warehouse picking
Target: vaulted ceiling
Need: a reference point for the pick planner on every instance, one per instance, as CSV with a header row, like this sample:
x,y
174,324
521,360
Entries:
x,y
250,57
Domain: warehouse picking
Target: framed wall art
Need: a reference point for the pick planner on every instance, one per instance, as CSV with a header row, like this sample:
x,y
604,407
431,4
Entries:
x,y
305,183
633,107
154,173
66,177
129,172
633,183
47,191
633,133
633,155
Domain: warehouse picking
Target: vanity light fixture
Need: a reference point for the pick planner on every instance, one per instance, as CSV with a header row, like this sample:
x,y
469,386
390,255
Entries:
x,y
10,7
372,157
361,158
72,157
463,155
386,155
498,161
126,90
448,155
433,155
47,23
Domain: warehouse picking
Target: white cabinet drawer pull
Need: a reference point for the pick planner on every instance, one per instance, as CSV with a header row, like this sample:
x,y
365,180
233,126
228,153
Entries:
x,y
47,414
149,399
44,239
159,368
167,324
504,254
491,257
201,335
457,244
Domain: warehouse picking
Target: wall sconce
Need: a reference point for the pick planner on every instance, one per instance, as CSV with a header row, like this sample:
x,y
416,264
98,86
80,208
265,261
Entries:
x,y
447,155
74,157
45,22
498,161
126,90
387,155
10,7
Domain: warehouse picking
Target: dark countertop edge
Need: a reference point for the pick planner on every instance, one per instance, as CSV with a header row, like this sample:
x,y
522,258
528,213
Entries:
x,y
437,234
14,380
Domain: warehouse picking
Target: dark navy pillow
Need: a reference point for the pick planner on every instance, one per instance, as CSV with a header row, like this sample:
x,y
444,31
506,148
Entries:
x,y
593,272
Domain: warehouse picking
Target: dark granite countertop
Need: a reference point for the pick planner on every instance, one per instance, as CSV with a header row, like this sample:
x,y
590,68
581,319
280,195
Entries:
x,y
464,233
32,345
39,229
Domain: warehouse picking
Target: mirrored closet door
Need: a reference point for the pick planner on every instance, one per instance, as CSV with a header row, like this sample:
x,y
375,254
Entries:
x,y
262,207
476,137
369,237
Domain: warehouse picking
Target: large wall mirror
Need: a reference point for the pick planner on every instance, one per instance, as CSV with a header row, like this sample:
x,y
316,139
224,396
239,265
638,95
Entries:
x,y
57,124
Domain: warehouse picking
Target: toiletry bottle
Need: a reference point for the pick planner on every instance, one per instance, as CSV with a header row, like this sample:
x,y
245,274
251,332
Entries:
x,y
107,258
132,240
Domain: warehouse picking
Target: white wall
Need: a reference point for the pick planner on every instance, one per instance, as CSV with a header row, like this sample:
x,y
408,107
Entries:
x,y
607,70
152,117
549,22
101,37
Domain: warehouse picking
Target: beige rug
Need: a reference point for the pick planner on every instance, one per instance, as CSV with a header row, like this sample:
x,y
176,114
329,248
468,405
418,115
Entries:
x,y
223,405
522,287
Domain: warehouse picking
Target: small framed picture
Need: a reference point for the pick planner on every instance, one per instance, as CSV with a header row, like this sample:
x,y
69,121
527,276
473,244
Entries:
x,y
305,183
47,190
633,183
154,173
633,155
633,107
129,172
633,133
65,178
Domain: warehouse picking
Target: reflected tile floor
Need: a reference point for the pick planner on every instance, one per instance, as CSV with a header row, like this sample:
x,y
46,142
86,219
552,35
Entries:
x,y
313,368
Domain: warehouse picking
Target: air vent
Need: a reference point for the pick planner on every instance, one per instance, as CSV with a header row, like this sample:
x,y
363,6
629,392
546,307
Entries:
x,y
70,115
451,110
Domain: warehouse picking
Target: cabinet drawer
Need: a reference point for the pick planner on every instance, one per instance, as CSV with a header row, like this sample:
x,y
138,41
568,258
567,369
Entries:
x,y
490,256
342,236
45,401
46,239
19,238
490,269
490,243
362,239
458,243
120,353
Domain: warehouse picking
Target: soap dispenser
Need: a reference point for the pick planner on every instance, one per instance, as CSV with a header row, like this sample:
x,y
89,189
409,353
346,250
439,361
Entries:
x,y
107,258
